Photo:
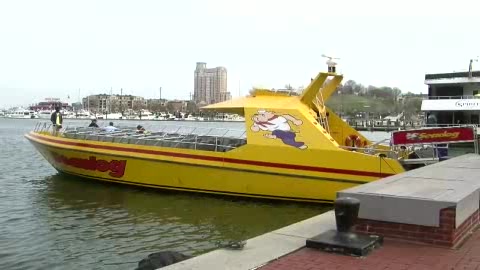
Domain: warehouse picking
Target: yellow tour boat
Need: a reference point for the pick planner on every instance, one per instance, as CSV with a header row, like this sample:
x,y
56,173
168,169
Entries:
x,y
293,148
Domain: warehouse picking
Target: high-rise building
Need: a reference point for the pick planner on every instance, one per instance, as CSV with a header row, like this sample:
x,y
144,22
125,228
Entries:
x,y
210,84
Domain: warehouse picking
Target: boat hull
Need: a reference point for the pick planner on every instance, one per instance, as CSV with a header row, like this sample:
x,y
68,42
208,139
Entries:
x,y
180,170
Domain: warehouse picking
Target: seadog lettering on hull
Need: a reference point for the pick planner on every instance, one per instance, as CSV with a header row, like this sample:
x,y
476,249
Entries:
x,y
116,167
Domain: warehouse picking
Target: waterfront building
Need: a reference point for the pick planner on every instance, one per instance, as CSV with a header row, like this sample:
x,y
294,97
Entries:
x,y
210,84
113,103
49,104
177,105
453,98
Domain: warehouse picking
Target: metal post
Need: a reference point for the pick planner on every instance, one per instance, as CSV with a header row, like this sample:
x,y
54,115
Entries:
x,y
475,139
344,240
346,213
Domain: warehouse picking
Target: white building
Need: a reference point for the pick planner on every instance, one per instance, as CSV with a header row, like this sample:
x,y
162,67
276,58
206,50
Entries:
x,y
453,98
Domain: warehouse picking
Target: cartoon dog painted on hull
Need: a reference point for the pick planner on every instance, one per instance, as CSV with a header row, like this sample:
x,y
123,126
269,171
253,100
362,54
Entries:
x,y
278,126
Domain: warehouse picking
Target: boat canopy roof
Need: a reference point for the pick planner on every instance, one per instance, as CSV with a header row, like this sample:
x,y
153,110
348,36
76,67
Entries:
x,y
263,99
238,105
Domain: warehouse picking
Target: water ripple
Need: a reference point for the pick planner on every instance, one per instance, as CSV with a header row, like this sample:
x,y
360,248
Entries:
x,y
51,221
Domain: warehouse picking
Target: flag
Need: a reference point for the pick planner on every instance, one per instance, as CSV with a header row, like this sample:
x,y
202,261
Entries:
x,y
470,69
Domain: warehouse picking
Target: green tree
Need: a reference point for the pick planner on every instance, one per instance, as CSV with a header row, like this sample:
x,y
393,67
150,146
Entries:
x,y
348,87
396,93
359,89
412,107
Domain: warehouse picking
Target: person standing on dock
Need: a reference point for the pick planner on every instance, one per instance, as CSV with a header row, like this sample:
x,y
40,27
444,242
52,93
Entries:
x,y
57,120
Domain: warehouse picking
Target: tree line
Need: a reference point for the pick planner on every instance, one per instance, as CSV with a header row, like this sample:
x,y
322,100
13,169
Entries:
x,y
379,101
353,99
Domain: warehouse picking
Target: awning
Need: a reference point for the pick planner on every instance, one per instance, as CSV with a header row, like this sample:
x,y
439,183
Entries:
x,y
451,105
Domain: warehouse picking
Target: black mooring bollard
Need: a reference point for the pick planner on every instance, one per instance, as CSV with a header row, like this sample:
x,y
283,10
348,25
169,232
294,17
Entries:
x,y
343,240
346,213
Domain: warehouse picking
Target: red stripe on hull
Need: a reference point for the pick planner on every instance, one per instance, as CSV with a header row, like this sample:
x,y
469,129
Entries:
x,y
218,159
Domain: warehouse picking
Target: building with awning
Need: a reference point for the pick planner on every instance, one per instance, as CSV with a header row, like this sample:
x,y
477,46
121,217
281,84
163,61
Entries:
x,y
453,98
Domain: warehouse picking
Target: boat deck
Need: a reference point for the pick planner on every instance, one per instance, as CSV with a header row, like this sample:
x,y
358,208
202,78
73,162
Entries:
x,y
206,139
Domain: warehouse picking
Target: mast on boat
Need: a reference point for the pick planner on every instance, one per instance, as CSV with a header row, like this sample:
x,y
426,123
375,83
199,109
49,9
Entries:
x,y
330,63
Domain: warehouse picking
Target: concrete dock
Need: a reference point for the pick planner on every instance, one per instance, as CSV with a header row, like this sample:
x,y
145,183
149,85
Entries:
x,y
394,255
262,249
436,204
428,218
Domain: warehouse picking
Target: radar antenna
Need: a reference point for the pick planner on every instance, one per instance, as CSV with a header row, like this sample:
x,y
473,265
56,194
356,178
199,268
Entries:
x,y
330,63
470,67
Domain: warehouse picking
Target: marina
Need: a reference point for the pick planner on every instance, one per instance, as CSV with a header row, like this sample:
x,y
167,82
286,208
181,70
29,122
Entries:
x,y
290,148
124,217
285,148
239,135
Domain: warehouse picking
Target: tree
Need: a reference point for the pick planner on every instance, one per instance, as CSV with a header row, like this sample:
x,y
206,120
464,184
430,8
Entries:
x,y
300,90
114,105
191,107
155,107
370,90
170,107
396,93
348,87
359,89
138,105
94,105
411,107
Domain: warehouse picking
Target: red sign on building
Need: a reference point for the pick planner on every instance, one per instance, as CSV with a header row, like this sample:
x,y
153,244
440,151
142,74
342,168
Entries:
x,y
434,135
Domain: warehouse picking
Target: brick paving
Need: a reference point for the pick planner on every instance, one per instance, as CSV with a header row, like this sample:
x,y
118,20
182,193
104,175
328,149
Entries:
x,y
393,255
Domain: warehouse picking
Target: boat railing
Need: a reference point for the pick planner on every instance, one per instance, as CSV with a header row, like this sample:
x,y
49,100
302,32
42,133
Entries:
x,y
42,127
449,125
322,117
373,151
198,138
425,154
454,97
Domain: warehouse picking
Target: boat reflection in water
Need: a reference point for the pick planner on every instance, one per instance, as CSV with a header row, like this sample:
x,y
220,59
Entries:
x,y
89,222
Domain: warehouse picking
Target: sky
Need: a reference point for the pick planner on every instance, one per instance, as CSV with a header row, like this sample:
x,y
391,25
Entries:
x,y
75,48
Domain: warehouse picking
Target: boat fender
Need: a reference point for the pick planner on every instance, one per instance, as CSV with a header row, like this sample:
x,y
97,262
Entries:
x,y
353,141
160,259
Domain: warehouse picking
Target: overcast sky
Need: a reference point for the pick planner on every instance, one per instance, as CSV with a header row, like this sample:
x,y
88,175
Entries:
x,y
54,48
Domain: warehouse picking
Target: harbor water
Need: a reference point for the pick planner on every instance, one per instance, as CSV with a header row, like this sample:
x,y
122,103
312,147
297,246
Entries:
x,y
51,221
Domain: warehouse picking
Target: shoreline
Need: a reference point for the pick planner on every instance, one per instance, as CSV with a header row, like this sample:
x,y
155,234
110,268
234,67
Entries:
x,y
154,120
